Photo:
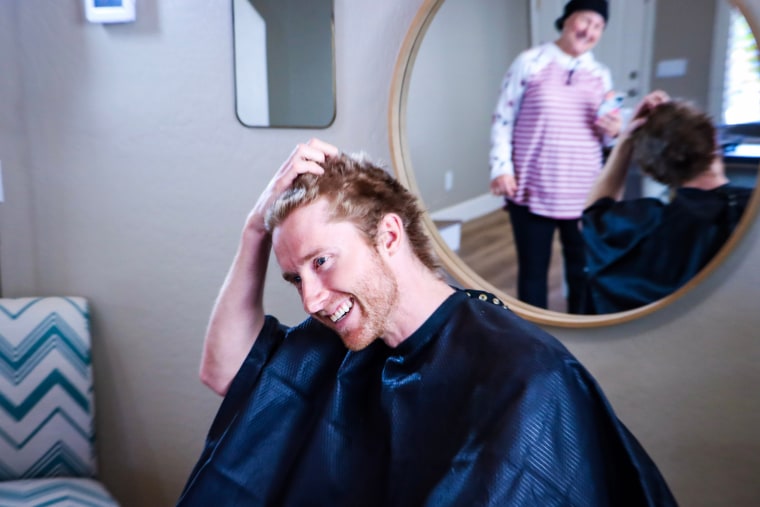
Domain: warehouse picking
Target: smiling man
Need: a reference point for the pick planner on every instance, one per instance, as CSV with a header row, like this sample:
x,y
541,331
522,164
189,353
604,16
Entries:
x,y
356,299
398,389
356,272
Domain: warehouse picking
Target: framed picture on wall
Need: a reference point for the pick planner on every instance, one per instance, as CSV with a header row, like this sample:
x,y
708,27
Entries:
x,y
109,11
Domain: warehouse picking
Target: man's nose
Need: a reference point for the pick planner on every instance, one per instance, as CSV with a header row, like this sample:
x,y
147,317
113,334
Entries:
x,y
313,295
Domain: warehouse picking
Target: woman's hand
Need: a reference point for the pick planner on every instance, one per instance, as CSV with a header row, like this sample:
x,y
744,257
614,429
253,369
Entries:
x,y
610,124
504,185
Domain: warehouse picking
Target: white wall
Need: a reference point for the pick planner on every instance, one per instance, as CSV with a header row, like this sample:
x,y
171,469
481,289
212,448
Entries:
x,y
453,90
127,179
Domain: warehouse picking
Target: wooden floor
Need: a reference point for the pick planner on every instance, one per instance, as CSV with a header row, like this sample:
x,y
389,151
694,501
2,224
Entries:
x,y
487,247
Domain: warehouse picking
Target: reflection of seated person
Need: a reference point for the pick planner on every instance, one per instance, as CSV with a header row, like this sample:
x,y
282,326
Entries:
x,y
641,250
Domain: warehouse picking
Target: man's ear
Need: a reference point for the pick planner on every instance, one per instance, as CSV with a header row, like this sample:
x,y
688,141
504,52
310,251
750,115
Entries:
x,y
390,233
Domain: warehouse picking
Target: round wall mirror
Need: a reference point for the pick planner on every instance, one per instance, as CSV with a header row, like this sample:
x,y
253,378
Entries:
x,y
445,89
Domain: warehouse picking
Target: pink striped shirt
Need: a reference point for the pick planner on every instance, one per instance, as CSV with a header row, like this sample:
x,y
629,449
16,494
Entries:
x,y
543,129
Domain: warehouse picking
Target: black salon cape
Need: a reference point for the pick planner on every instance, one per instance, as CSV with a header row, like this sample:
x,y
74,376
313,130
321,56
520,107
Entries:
x,y
641,250
478,407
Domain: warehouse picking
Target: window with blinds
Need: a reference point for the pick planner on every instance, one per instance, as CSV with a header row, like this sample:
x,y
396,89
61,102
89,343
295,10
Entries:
x,y
741,95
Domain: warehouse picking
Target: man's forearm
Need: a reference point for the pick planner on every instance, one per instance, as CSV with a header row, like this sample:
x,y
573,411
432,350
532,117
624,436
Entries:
x,y
238,313
611,181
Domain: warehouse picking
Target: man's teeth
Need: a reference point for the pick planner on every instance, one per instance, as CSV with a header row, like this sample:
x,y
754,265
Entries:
x,y
340,312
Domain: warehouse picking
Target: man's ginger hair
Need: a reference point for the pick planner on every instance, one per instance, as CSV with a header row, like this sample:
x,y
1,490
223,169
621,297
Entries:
x,y
361,193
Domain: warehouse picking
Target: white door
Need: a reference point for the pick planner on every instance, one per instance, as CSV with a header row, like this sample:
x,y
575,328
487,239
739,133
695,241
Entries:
x,y
625,47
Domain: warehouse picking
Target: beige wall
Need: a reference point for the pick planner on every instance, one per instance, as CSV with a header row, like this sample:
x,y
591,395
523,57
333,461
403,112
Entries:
x,y
691,41
456,79
127,178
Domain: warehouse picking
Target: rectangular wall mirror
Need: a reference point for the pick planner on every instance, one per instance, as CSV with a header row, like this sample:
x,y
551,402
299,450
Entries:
x,y
284,63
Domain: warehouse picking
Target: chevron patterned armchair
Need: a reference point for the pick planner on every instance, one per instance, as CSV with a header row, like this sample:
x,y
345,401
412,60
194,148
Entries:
x,y
47,432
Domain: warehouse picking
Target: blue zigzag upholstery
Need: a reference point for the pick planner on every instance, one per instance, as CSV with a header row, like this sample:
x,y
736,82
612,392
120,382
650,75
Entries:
x,y
47,433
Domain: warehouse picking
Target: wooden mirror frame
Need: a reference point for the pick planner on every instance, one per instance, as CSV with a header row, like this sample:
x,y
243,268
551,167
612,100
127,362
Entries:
x,y
452,263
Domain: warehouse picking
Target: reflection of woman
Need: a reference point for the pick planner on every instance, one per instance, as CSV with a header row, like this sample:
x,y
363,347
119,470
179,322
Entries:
x,y
546,147
641,250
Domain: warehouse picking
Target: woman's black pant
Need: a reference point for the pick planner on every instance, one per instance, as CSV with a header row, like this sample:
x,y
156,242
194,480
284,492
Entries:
x,y
533,236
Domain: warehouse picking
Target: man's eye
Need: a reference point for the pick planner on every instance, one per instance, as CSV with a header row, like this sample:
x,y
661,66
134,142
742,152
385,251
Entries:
x,y
296,280
319,261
